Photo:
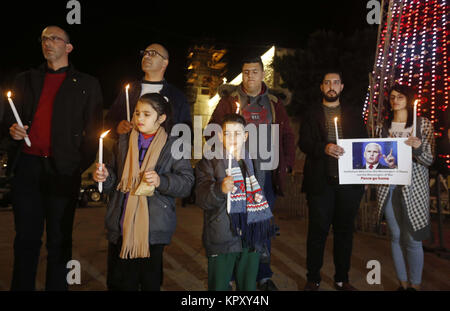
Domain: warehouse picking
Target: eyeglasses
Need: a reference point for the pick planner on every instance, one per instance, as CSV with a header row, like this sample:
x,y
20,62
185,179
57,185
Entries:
x,y
53,39
151,53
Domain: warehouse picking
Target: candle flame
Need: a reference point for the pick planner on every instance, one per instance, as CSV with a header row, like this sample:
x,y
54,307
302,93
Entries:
x,y
9,94
104,134
335,119
238,106
127,86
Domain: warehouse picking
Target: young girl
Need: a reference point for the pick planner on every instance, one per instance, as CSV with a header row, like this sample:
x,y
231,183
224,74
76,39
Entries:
x,y
233,239
143,180
406,208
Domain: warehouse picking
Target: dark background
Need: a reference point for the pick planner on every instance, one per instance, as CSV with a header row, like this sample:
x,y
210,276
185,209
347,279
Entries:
x,y
111,34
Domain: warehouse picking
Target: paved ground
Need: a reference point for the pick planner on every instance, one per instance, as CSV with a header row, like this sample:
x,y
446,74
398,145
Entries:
x,y
185,264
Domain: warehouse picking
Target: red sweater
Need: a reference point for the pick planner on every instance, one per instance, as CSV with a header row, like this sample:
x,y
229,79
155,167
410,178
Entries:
x,y
41,127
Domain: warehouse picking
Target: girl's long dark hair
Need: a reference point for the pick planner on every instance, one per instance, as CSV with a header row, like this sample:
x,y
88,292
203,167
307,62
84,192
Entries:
x,y
161,106
410,96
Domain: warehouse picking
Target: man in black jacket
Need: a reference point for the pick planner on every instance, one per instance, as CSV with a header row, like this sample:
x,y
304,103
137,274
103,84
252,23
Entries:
x,y
329,203
155,59
61,109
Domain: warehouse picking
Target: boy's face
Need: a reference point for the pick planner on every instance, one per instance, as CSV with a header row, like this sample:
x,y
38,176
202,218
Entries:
x,y
233,136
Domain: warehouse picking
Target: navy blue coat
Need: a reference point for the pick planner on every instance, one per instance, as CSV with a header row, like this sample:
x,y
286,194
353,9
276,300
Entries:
x,y
181,111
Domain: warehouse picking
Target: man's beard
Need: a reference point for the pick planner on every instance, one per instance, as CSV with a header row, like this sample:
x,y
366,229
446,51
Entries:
x,y
331,99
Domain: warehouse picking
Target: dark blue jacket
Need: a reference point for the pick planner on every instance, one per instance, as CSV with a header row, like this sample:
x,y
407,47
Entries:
x,y
181,110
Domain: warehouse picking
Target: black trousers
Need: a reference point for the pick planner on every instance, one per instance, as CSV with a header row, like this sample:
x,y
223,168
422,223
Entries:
x,y
134,274
40,196
337,205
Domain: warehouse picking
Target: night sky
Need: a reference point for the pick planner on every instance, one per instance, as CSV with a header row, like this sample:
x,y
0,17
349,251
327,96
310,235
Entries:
x,y
108,41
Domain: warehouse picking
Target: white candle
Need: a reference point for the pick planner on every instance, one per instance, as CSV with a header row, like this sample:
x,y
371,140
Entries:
x,y
100,157
415,118
128,102
336,129
16,115
229,174
238,106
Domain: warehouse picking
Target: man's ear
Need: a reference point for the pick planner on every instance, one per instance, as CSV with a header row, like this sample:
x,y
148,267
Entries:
x,y
165,63
69,48
342,87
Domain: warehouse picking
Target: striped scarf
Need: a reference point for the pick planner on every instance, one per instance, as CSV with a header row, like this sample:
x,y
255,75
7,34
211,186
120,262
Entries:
x,y
250,212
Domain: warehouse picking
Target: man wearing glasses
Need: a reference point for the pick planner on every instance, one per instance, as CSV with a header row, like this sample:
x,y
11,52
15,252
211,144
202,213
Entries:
x,y
61,109
155,59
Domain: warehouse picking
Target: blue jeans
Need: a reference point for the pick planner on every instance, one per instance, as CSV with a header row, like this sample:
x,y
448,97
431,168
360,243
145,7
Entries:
x,y
264,271
402,243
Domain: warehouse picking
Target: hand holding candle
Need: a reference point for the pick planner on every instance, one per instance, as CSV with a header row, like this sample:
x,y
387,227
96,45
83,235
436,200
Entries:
x,y
18,120
100,157
128,102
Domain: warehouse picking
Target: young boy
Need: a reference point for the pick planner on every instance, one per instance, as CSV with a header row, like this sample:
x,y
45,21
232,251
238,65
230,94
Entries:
x,y
233,240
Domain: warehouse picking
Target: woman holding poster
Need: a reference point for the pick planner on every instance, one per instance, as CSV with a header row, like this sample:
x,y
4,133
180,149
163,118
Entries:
x,y
406,208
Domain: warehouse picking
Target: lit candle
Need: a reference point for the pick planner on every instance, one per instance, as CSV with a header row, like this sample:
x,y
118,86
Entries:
x,y
415,118
238,106
229,174
16,115
100,157
336,129
128,102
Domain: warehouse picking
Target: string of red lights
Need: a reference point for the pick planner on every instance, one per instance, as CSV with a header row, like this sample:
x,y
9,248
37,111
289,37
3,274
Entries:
x,y
420,59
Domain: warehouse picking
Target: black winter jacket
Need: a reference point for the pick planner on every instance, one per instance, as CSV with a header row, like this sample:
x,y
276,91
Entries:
x,y
314,138
76,120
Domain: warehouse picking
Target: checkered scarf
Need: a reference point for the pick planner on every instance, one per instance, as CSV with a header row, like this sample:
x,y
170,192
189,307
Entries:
x,y
250,213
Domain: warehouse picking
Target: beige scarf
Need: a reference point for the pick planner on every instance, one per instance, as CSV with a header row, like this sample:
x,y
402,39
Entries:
x,y
135,242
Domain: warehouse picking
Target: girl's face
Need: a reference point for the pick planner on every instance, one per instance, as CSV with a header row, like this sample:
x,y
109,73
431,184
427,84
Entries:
x,y
398,101
146,118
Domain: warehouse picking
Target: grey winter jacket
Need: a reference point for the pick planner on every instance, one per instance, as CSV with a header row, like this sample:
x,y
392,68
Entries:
x,y
176,180
218,236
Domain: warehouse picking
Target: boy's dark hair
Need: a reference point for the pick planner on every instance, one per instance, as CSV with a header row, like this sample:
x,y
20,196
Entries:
x,y
161,106
252,60
235,118
408,91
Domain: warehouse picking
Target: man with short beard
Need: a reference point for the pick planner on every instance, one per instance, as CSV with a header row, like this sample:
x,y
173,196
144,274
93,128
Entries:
x,y
329,203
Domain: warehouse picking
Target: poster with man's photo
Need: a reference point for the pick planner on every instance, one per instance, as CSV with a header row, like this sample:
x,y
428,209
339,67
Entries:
x,y
375,161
